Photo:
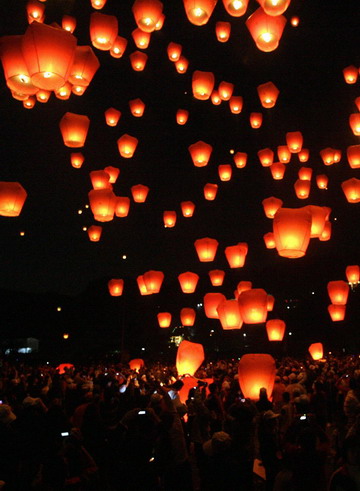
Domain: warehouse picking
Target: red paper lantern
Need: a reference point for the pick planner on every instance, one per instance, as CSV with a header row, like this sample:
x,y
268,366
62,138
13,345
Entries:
x,y
236,254
351,74
153,281
210,191
187,208
274,7
217,277
337,312
326,233
164,319
98,4
94,233
302,188
284,154
68,23
122,206
74,129
169,218
319,216
266,157
200,153
100,179
294,21
206,249
139,193
229,314
268,94
275,329
256,120
116,287
202,84
240,159
77,159
351,189
225,90
188,281
305,173
265,30
338,292
270,303
147,14
253,305
112,116
43,95
271,206
322,181
223,30
215,98
118,48
64,92
182,116
142,286
243,286
174,51
181,65
127,145
256,371
235,8
198,12
84,67
141,38
102,204
316,351
353,156
292,229
294,141
269,240
225,172
303,155
211,303
12,198
277,170
189,357
187,317
29,103
236,104
136,364
35,11
353,274
103,30
113,173
137,107
328,155
138,61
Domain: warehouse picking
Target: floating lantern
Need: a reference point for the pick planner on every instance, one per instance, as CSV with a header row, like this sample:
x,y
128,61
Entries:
x,y
113,173
169,218
302,188
240,159
98,4
353,274
269,240
102,204
353,156
305,173
256,371
84,67
200,153
217,277
43,95
35,11
319,216
74,129
211,303
153,281
292,229
77,159
236,8
303,155
78,89
164,319
118,48
160,22
294,21
122,206
268,94
223,30
275,329
187,316
127,145
141,285
12,198
316,351
136,364
338,292
137,107
206,249
188,281
274,7
357,103
271,206
189,357
236,104
100,179
294,141
64,92
266,157
265,30
103,30
210,191
236,254
139,193
116,287
187,208
351,189
351,74
256,120
322,181
182,116
226,90
147,14
30,102
215,98
326,233
174,51
94,233
141,38
112,116
337,312
243,286
198,12
138,61
68,23
202,84
284,154
253,305
181,65
225,172
277,170
270,303
229,314
64,367
328,156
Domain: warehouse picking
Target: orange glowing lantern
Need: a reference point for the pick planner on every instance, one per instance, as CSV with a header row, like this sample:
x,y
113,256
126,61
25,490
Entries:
x,y
270,302
200,153
98,4
147,14
127,145
100,179
225,172
284,154
351,189
206,249
256,371
316,351
74,129
160,23
118,48
337,312
116,287
84,67
94,233
141,38
139,193
217,277
256,120
229,314
142,286
137,107
198,12
122,206
103,30
169,218
77,159
19,97
243,286
153,281
112,116
30,102
136,364
240,159
35,11
292,229
187,316
302,188
202,84
187,208
338,292
12,198
181,65
211,303
236,254
253,305
326,233
353,274
78,89
174,51
275,329
236,104
305,173
319,216
189,357
215,98
277,170
43,95
274,7
294,21
268,94
188,281
265,30
322,181
68,23
303,155
223,30
226,90
164,319
353,156
235,8
182,116
102,204
113,173
350,74
138,61
294,141
269,240
210,191
64,92
271,206
266,157
328,156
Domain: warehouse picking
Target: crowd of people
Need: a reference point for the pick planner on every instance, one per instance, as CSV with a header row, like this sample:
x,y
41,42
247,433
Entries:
x,y
107,427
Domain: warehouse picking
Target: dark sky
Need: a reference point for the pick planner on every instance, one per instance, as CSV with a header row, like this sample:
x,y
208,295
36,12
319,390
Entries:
x,y
55,254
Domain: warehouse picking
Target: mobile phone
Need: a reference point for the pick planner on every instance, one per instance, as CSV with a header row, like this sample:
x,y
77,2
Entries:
x,y
64,433
141,412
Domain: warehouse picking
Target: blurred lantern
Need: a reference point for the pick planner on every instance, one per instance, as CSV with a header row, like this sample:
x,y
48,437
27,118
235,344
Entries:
x,y
277,170
160,23
141,38
236,8
63,367
19,97
181,65
64,92
136,364
103,30
216,277
256,371
292,228
142,286
98,4
187,208
147,14
338,292
236,104
302,188
266,157
265,30
271,206
12,198
200,153
270,303
164,319
268,94
357,103
223,30
303,155
94,233
122,206
215,98
229,314
353,274
225,172
74,129
137,107
294,141
236,254
202,84
30,102
256,120
284,154
169,218
253,305
226,90
206,249
243,286
269,240
337,312
326,233
274,7
322,181
328,156
49,54
316,351
35,11
353,156
351,189
139,193
337,155
182,116
305,173
100,179
294,21
211,303
113,173
78,89
153,281
188,281
116,287
350,74
102,204
174,51
319,215
240,159
77,159
43,95
189,357
187,316
210,191
68,23
84,67
198,12
275,329
118,48
112,116
138,60
127,145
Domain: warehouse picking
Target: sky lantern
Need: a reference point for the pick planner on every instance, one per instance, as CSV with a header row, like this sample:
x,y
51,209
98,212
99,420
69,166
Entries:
x,y
223,30
338,292
147,14
235,8
138,61
211,303
116,287
187,316
327,155
94,233
292,228
351,189
12,198
35,11
225,172
127,145
319,215
294,141
206,249
187,208
268,94
253,305
353,274
295,21
236,254
198,12
139,193
78,89
302,188
265,30
98,4
113,173
217,277
100,179
136,364
142,287
64,92
77,159
112,116
68,22
182,116
337,312
240,159
271,206
269,240
326,233
236,104
182,64
351,74
256,120
284,154
122,206
30,102
303,155
226,90
137,107
188,281
270,303
102,204
229,314
164,319
153,280
84,67
305,173
141,38
322,181
189,357
43,95
243,286
200,153
274,7
49,54
266,157
160,22
353,156
275,329
174,51
103,30
316,351
277,170
74,129
118,48
357,103
210,191
202,84
169,218
19,97
256,371
215,98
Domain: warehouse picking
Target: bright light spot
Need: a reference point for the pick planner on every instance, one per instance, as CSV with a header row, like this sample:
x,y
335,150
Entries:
x,y
22,233
142,349
267,37
47,74
58,309
101,40
35,14
86,206
24,79
147,21
84,229
244,335
290,333
237,4
116,51
198,12
335,219
63,93
78,76
312,293
79,212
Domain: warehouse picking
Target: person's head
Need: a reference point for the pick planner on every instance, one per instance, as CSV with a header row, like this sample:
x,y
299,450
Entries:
x,y
263,393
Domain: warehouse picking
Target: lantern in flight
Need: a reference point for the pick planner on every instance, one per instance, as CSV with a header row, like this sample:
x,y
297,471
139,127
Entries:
x,y
122,206
35,11
98,4
94,233
187,208
77,159
236,254
256,120
225,172
84,67
198,12
294,141
253,305
292,229
353,156
188,281
138,61
240,159
225,90
229,314
268,94
103,30
236,104
169,218
271,206
116,287
351,74
139,193
102,204
118,48
181,65
136,364
302,188
100,179
274,7
338,292
174,51
147,14
353,274
211,303
112,116
337,312
29,103
275,329
113,173
74,129
189,357
43,95
153,281
187,316
277,170
265,30
206,249
256,371
319,216
316,351
68,22
217,277
200,153
164,319
223,30
64,92
326,233
269,240
127,145
137,107
303,155
12,198
202,84
235,8
182,116
284,154
141,38
322,181
141,285
305,173
351,189
215,98
210,191
243,286
266,157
